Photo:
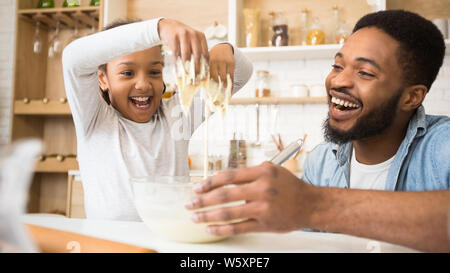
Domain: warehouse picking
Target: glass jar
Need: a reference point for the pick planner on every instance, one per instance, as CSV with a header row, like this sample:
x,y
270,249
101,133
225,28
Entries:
x,y
342,33
45,4
336,21
262,84
252,26
303,26
71,3
280,30
95,3
316,35
238,154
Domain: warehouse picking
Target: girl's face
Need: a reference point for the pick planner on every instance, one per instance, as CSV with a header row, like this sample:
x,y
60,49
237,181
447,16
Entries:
x,y
135,83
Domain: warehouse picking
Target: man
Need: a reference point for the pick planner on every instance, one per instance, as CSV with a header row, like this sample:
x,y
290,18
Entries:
x,y
384,172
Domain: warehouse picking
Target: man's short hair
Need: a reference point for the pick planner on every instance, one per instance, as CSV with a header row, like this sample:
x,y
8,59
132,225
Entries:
x,y
422,47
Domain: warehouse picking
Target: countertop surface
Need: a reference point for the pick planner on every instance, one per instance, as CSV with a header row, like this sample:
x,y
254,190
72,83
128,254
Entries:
x,y
136,233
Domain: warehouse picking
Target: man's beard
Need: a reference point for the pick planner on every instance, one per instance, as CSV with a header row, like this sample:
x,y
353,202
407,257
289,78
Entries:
x,y
371,124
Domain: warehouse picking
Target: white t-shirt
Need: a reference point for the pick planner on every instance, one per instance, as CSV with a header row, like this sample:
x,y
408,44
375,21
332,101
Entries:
x,y
111,148
369,177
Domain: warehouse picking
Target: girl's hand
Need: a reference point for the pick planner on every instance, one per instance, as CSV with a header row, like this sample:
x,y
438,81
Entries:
x,y
221,62
183,41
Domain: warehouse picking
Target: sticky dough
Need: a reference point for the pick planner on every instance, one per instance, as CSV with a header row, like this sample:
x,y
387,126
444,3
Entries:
x,y
188,84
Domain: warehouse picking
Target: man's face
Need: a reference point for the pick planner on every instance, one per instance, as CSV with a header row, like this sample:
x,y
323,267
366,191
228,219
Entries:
x,y
367,79
135,83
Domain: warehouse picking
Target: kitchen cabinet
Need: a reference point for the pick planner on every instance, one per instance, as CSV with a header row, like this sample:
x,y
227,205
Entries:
x,y
39,105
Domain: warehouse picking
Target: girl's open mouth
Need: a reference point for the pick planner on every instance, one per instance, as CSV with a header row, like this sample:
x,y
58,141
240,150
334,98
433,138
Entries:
x,y
141,102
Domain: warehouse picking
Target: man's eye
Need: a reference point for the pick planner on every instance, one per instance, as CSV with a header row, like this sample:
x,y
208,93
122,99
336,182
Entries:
x,y
336,67
365,74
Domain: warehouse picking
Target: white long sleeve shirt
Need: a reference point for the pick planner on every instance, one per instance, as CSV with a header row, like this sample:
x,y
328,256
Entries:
x,y
111,148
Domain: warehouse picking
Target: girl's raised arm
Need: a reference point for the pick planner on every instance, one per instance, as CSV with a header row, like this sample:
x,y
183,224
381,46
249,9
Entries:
x,y
82,58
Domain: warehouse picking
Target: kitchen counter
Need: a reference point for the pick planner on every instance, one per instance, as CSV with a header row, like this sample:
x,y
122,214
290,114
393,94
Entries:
x,y
137,234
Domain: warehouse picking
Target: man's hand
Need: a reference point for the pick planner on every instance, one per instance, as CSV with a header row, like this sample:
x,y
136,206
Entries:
x,y
221,63
276,200
183,41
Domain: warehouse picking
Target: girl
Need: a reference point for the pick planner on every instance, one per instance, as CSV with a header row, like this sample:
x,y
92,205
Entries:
x,y
128,130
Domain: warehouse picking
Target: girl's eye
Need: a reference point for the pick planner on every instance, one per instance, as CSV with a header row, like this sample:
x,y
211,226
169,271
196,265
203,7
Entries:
x,y
155,72
127,73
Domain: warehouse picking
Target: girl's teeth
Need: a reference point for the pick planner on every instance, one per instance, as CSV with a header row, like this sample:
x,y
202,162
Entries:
x,y
141,106
141,98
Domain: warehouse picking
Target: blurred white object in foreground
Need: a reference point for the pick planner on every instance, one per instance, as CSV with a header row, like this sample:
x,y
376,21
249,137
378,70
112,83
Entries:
x,y
17,163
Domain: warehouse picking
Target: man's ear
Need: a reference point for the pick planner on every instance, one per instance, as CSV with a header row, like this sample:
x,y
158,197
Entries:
x,y
103,80
413,97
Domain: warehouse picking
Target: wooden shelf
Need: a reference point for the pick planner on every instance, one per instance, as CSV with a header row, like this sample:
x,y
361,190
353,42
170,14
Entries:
x,y
52,165
279,100
86,16
289,53
39,108
54,10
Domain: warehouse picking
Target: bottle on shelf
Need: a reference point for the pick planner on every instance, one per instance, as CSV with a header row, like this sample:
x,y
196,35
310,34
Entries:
x,y
262,84
269,29
71,3
280,29
340,31
252,27
45,4
303,26
316,35
336,20
95,3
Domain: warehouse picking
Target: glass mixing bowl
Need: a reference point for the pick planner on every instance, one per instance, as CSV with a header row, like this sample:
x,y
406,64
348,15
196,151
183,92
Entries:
x,y
160,203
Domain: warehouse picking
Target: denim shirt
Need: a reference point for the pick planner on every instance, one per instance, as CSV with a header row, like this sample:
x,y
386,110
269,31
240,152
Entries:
x,y
422,162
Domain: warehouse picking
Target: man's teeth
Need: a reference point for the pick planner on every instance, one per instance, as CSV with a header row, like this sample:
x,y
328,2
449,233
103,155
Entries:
x,y
343,103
